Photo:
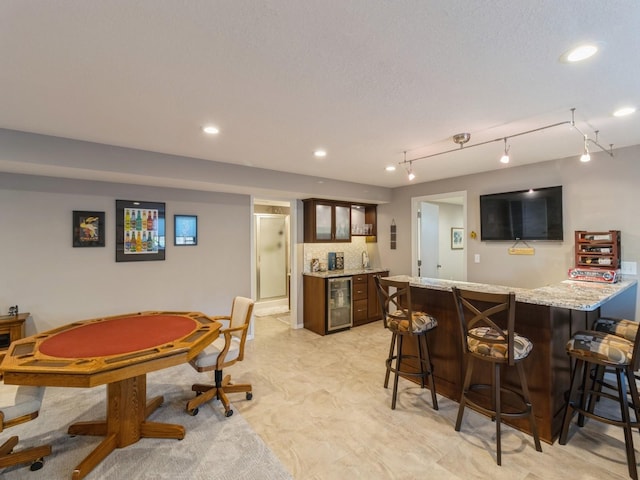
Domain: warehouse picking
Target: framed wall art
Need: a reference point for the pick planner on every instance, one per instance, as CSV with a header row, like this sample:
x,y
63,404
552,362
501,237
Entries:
x,y
140,231
185,230
457,238
88,229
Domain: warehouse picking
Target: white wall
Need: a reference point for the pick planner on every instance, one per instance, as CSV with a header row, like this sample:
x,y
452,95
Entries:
x,y
600,195
56,283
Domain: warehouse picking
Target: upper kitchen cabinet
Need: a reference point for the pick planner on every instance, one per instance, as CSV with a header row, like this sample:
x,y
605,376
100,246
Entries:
x,y
363,220
326,221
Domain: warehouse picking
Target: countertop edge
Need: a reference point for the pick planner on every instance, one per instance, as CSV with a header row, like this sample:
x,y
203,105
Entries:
x,y
344,273
571,294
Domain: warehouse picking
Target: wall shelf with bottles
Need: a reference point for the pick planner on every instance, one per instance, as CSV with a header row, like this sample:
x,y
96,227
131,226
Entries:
x,y
598,249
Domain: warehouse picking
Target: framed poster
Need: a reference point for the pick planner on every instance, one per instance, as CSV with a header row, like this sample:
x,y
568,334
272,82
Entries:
x,y
139,231
185,230
88,229
457,238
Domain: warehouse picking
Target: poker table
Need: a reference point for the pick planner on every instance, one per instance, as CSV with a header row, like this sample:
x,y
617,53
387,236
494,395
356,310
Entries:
x,y
116,351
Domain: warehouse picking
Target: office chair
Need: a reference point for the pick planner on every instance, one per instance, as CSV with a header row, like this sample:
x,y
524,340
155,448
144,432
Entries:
x,y
26,407
223,352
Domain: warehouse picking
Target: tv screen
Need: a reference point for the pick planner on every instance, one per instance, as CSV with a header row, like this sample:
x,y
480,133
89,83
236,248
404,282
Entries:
x,y
534,214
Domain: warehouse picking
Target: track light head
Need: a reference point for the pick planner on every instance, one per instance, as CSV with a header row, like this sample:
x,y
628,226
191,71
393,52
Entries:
x,y
410,174
505,155
585,157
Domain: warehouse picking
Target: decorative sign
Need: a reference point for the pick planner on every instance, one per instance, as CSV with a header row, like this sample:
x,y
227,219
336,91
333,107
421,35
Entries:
x,y
393,235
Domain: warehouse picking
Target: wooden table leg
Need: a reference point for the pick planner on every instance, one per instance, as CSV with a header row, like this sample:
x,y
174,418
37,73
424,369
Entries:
x,y
98,454
127,411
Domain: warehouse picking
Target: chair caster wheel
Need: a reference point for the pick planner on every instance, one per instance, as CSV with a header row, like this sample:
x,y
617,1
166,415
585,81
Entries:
x,y
228,413
249,395
37,464
193,412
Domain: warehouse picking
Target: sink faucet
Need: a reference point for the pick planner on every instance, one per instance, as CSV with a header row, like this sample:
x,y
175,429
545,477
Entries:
x,y
365,259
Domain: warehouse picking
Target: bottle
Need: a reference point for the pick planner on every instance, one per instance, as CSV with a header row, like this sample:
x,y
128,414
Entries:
x,y
150,221
127,242
149,239
143,243
144,220
138,240
127,219
155,220
132,249
138,221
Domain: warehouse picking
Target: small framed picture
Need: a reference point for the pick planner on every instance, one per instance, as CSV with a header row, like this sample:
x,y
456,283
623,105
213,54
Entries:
x,y
186,230
457,238
88,229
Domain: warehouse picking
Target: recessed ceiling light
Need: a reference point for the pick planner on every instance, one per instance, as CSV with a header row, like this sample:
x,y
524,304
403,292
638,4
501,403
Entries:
x,y
320,153
621,112
390,168
211,130
580,53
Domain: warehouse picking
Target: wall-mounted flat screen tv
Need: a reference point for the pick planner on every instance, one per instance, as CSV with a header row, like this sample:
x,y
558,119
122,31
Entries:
x,y
534,214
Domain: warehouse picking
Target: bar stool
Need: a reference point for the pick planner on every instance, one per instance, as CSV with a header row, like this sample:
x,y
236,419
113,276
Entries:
x,y
594,353
402,321
483,339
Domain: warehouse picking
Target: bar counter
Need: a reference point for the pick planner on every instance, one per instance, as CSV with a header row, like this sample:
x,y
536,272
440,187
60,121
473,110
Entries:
x,y
548,316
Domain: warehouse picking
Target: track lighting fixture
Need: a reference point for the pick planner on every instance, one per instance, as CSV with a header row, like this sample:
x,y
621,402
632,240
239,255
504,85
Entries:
x,y
462,138
505,155
410,174
585,157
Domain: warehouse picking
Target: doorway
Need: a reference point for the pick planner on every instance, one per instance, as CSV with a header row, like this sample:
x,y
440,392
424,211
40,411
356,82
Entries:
x,y
272,257
437,221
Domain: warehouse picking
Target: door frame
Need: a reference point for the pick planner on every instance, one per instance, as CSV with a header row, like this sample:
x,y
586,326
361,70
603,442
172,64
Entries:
x,y
295,259
415,207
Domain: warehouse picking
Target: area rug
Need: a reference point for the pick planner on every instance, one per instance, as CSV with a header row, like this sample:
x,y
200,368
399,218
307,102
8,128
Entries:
x,y
215,447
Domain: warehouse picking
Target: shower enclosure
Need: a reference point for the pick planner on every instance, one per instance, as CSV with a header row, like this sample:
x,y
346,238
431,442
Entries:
x,y
272,256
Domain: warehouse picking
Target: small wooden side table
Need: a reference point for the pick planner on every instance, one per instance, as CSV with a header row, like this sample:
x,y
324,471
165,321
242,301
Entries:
x,y
11,329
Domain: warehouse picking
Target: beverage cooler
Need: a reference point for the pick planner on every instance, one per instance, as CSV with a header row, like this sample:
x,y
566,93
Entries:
x,y
339,311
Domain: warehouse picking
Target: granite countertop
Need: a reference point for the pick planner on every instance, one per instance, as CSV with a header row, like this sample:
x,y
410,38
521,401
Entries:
x,y
572,294
345,273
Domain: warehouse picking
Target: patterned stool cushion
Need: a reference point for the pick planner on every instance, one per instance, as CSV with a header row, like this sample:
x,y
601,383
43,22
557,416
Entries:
x,y
421,322
616,326
602,346
521,349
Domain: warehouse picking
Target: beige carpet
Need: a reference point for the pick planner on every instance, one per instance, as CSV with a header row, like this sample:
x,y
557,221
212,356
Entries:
x,y
215,447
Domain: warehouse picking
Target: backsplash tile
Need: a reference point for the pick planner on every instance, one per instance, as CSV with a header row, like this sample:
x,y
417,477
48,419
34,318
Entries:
x,y
352,253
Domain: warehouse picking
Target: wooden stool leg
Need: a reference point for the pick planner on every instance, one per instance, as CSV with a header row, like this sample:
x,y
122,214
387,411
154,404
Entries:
x,y
498,409
628,437
391,347
399,339
432,382
465,389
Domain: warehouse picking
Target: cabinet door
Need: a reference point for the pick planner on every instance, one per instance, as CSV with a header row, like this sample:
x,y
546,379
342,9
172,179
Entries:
x,y
324,217
343,223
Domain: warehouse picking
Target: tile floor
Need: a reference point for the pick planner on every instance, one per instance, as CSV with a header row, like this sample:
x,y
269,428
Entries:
x,y
320,405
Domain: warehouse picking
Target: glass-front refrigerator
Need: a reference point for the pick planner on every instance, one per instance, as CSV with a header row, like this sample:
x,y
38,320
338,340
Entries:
x,y
339,311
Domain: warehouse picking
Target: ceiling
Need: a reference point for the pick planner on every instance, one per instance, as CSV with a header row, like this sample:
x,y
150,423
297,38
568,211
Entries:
x,y
366,80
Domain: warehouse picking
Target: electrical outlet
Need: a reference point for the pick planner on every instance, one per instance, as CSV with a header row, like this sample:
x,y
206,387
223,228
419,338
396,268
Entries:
x,y
476,258
629,268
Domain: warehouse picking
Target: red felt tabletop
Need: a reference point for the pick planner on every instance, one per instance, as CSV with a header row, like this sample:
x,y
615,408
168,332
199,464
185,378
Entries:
x,y
118,336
